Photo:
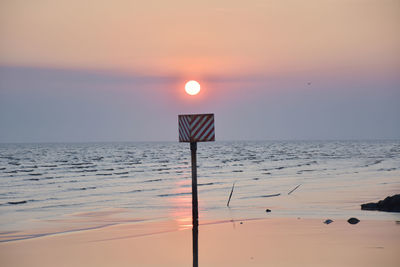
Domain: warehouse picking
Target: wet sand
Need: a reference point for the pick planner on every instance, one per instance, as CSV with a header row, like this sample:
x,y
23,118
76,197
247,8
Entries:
x,y
266,242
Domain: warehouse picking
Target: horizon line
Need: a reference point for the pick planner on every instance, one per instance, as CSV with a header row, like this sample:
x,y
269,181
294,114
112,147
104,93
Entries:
x,y
227,140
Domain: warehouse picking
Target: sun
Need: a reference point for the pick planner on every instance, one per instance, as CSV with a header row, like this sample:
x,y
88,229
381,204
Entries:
x,y
192,87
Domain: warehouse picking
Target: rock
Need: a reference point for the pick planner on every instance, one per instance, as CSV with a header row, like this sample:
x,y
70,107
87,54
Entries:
x,y
389,204
267,210
328,221
353,220
369,206
241,222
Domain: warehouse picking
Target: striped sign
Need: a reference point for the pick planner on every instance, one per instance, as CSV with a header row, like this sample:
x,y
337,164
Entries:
x,y
196,128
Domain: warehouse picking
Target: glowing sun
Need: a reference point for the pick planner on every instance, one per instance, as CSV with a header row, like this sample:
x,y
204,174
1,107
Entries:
x,y
192,87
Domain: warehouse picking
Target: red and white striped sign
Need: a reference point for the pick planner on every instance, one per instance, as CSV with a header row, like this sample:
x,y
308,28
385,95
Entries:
x,y
196,128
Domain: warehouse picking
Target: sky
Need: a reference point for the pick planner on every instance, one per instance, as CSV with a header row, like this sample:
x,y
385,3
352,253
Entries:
x,y
93,71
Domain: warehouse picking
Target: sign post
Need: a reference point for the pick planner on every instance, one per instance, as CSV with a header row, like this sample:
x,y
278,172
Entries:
x,y
195,128
195,208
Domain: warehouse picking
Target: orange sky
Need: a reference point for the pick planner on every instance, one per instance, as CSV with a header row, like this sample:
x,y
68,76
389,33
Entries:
x,y
201,37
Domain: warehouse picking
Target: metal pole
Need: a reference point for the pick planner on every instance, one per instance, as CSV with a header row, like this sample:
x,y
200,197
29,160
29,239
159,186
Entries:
x,y
195,211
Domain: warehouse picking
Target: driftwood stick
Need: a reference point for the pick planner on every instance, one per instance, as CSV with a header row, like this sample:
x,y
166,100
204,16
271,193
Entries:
x,y
294,189
229,200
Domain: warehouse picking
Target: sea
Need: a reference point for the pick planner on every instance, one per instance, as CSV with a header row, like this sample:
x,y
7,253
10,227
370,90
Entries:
x,y
92,184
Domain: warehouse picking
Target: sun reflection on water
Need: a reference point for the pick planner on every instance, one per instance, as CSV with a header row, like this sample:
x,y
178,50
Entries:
x,y
181,203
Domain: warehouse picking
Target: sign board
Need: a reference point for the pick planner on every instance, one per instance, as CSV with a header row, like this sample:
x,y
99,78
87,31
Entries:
x,y
196,128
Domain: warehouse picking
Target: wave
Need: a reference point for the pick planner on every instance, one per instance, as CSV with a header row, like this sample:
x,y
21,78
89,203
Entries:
x,y
373,163
387,169
90,170
59,206
152,180
206,184
19,202
31,236
83,166
161,169
82,188
301,171
139,190
135,191
29,170
81,163
121,173
174,194
32,179
291,166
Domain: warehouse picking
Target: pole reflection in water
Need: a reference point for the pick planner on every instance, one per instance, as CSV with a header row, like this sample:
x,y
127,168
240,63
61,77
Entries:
x,y
195,245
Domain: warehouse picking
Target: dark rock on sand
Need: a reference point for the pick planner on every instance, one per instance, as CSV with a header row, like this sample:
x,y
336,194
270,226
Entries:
x,y
328,221
353,220
267,210
390,204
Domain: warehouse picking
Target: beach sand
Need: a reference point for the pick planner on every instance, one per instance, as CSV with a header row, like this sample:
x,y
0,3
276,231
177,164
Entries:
x,y
261,242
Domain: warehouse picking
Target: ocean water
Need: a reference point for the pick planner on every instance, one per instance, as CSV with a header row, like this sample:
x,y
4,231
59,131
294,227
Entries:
x,y
64,184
